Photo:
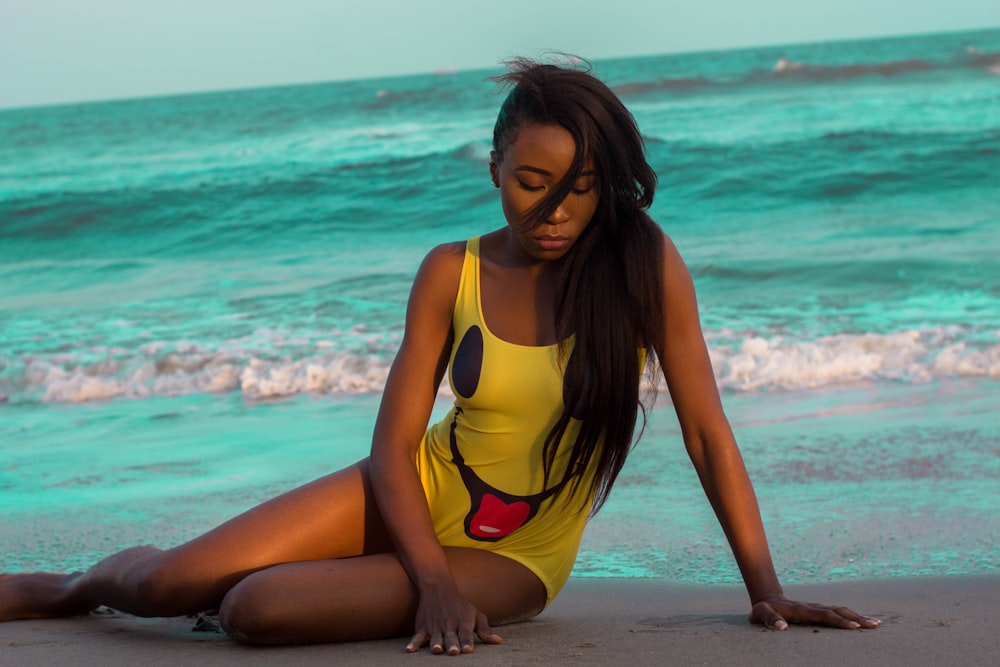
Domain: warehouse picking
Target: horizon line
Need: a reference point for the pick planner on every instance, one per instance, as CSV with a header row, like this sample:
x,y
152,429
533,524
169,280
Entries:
x,y
451,71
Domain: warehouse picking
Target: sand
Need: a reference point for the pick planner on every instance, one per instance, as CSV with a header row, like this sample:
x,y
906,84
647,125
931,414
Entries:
x,y
925,621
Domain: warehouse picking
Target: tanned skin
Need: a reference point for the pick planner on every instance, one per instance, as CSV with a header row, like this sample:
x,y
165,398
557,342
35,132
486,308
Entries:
x,y
353,555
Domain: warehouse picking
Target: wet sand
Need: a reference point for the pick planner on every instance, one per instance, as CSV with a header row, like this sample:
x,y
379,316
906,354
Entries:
x,y
925,621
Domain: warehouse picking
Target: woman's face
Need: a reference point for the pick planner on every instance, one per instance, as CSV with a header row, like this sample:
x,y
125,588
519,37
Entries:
x,y
532,165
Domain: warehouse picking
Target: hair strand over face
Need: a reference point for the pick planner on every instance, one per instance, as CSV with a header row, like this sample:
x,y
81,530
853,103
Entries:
x,y
610,289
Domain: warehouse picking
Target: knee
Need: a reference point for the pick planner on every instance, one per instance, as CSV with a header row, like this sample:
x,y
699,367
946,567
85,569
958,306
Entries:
x,y
248,613
160,589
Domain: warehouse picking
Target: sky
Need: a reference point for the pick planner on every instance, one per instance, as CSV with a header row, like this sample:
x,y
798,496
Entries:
x,y
61,51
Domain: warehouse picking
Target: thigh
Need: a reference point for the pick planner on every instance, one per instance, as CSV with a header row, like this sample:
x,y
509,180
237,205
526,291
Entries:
x,y
368,597
335,516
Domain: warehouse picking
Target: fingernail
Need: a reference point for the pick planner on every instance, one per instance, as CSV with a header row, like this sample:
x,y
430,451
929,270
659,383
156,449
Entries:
x,y
781,625
854,625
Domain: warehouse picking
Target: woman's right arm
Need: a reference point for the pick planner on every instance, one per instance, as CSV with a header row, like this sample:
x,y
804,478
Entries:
x,y
445,619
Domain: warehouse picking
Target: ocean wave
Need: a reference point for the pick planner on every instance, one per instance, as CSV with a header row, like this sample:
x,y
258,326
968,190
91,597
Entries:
x,y
990,61
683,83
758,363
244,198
389,97
743,363
843,164
786,68
791,71
64,378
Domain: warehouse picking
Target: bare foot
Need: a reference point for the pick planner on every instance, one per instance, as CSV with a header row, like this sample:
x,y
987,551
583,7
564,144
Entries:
x,y
41,595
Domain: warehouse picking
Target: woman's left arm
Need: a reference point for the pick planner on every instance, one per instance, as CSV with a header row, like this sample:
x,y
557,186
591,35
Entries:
x,y
709,440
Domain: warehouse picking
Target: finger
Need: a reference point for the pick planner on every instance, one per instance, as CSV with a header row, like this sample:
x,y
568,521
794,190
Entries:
x,y
864,621
436,643
765,614
484,632
465,638
819,614
850,619
416,641
834,617
451,643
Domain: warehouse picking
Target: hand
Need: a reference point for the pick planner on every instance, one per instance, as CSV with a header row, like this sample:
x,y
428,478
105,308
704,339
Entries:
x,y
447,622
777,612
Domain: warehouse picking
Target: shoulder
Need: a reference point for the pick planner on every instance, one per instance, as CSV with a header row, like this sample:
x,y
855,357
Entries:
x,y
670,253
443,263
436,283
455,250
680,302
675,271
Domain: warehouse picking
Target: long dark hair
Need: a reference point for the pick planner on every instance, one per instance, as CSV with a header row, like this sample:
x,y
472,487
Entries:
x,y
610,285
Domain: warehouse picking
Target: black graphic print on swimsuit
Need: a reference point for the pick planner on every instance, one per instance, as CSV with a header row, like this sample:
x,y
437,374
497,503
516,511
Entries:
x,y
493,513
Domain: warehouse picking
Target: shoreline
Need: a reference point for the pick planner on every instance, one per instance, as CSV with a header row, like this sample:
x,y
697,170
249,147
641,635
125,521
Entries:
x,y
925,621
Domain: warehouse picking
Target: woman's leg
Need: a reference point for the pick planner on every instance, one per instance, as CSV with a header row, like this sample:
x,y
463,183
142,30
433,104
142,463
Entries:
x,y
368,597
332,517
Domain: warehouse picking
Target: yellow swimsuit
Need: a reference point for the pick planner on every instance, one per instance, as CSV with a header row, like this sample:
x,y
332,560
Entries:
x,y
481,466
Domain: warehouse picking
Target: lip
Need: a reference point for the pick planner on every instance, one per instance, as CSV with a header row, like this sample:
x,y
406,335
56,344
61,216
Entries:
x,y
551,242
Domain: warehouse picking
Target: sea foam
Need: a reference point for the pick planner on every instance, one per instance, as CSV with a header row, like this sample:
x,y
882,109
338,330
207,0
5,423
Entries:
x,y
749,364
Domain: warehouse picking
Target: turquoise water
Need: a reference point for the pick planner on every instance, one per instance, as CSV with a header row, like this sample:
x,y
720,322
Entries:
x,y
200,297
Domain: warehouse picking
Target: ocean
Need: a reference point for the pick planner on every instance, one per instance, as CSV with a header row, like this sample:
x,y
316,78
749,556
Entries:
x,y
200,297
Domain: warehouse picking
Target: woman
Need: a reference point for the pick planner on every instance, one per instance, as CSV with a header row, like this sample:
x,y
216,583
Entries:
x,y
546,325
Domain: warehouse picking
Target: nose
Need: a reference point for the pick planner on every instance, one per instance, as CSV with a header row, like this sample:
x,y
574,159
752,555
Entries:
x,y
561,214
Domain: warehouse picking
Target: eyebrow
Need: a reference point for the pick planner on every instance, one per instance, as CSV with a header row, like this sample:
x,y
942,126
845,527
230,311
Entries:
x,y
546,172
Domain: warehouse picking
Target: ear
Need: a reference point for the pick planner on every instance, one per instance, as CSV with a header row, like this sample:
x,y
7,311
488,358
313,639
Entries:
x,y
494,169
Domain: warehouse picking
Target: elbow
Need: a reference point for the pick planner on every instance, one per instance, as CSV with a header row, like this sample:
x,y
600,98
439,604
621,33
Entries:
x,y
711,448
696,446
386,463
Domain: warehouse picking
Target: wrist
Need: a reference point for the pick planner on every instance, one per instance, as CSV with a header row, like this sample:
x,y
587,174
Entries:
x,y
761,583
429,582
765,594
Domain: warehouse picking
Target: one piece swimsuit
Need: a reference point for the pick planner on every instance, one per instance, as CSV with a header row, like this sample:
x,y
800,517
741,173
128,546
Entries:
x,y
481,465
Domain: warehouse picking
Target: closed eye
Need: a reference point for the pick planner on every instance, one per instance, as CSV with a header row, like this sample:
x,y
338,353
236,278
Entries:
x,y
530,188
585,184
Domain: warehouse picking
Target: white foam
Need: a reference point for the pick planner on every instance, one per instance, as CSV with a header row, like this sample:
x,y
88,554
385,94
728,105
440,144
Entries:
x,y
907,356
65,378
265,368
343,373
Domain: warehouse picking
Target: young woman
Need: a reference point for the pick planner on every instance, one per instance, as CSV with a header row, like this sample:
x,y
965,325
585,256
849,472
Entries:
x,y
547,325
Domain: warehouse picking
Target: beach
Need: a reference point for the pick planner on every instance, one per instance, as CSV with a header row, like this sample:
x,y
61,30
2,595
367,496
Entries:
x,y
925,621
201,295
860,508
